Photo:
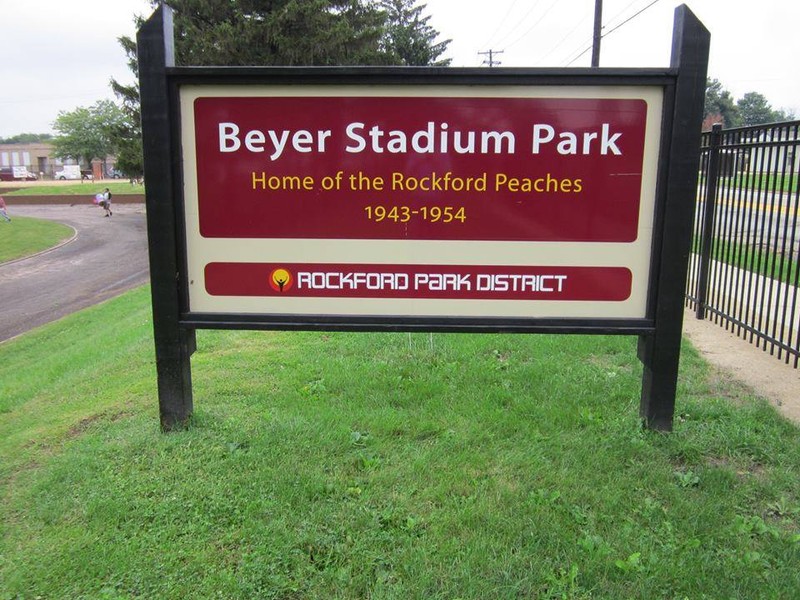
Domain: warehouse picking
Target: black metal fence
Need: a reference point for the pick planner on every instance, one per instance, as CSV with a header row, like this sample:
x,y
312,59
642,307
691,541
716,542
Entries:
x,y
744,270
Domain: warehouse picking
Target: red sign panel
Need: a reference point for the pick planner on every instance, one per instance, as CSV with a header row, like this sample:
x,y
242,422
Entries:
x,y
456,282
433,168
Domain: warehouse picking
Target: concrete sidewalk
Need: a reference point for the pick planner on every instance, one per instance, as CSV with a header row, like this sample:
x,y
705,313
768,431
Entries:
x,y
736,357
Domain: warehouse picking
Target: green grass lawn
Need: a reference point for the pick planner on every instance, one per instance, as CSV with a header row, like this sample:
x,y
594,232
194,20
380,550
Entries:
x,y
78,189
768,263
766,182
337,465
786,183
25,236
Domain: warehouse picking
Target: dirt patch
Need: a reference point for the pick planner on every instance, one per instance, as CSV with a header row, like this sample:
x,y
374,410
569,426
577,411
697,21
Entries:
x,y
72,199
768,376
84,424
742,468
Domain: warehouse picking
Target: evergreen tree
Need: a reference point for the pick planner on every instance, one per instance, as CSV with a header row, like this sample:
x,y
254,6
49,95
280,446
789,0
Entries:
x,y
128,135
719,104
756,110
409,37
277,32
280,32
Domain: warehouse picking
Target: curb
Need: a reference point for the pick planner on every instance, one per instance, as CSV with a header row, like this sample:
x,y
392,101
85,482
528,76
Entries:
x,y
71,199
51,249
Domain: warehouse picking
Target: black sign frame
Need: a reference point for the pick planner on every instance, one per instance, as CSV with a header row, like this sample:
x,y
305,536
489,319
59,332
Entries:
x,y
659,332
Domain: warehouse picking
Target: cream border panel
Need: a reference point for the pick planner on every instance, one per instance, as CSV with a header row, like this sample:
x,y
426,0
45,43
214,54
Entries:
x,y
635,255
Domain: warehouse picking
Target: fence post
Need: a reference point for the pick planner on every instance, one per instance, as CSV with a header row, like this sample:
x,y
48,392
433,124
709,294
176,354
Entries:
x,y
709,208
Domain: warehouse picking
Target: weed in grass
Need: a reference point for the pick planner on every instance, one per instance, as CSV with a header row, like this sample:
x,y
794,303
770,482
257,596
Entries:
x,y
580,514
783,508
687,479
754,526
595,546
631,564
563,584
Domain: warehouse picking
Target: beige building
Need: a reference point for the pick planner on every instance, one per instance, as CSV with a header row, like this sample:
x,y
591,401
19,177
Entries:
x,y
38,158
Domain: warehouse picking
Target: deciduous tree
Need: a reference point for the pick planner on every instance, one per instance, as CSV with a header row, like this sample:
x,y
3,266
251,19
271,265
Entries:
x,y
87,133
26,138
751,109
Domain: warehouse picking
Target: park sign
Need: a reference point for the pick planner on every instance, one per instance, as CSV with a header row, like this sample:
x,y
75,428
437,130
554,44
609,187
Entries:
x,y
388,199
456,202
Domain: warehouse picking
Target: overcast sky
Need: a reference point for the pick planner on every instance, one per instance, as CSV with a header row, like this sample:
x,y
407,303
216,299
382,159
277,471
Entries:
x,y
60,54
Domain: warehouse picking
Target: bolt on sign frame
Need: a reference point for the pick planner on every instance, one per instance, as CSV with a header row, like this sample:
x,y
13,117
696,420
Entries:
x,y
420,199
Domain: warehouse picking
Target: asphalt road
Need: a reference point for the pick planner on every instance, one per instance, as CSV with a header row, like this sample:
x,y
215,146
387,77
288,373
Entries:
x,y
107,257
754,217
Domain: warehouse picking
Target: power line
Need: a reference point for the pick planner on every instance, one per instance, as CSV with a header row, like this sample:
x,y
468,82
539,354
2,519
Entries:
x,y
631,3
607,33
631,17
531,28
563,39
585,50
501,23
520,23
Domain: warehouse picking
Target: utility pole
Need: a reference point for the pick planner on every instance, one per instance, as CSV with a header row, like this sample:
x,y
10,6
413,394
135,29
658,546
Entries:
x,y
598,27
491,62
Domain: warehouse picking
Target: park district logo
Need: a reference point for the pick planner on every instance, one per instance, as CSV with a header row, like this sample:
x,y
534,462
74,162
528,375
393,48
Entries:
x,y
280,280
414,281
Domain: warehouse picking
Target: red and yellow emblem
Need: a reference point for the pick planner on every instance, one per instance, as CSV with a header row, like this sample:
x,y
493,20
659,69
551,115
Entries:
x,y
280,280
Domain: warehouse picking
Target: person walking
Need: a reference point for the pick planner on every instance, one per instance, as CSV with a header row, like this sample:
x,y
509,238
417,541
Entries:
x,y
4,210
107,202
